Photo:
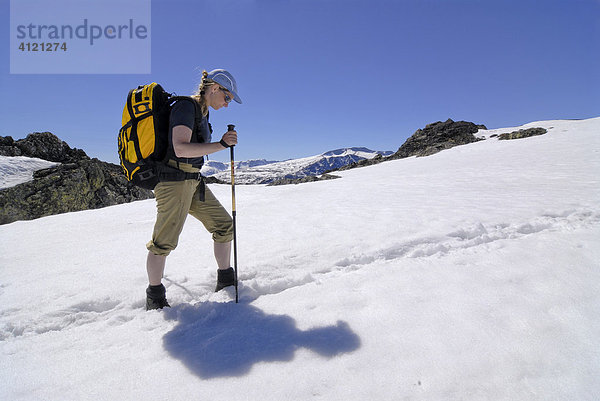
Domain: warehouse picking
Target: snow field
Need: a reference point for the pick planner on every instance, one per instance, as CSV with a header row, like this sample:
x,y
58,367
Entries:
x,y
470,274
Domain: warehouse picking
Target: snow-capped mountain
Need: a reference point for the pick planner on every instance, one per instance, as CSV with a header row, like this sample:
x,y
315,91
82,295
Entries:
x,y
264,172
212,167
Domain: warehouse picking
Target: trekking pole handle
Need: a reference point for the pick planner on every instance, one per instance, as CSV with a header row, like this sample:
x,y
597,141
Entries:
x,y
230,127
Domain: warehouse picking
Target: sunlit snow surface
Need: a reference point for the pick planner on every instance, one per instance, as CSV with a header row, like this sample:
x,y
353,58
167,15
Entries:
x,y
472,274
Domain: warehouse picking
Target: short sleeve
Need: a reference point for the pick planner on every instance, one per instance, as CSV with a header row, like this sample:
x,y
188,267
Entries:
x,y
182,113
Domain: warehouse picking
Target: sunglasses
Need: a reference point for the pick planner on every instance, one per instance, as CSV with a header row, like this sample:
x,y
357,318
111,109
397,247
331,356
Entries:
x,y
227,97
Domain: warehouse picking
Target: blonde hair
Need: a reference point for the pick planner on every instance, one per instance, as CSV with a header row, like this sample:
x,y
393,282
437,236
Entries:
x,y
199,95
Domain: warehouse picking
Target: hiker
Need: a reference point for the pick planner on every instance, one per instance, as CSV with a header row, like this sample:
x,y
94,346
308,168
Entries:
x,y
189,141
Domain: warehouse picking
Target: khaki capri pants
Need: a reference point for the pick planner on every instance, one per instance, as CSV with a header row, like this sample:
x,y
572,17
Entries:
x,y
174,200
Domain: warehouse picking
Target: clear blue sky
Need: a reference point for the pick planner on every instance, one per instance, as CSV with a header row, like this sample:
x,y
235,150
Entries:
x,y
319,75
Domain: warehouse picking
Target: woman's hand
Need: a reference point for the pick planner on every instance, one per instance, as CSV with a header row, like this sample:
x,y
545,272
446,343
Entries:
x,y
230,138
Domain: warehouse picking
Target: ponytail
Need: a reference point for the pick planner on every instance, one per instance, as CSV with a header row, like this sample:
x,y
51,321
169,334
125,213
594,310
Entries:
x,y
199,95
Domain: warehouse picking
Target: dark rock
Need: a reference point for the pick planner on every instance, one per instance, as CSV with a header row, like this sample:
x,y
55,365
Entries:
x,y
213,180
79,183
6,141
287,181
430,140
436,137
47,146
523,133
8,147
82,185
43,145
362,163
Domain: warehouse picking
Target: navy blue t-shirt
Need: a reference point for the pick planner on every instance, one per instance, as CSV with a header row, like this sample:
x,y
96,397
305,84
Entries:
x,y
183,113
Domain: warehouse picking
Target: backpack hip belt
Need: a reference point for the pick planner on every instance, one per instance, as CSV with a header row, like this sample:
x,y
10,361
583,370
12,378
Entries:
x,y
172,171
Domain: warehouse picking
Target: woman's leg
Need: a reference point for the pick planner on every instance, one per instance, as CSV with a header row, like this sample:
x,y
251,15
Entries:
x,y
219,223
155,265
223,254
173,201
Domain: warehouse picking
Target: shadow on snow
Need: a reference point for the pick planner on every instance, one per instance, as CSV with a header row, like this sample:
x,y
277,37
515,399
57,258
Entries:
x,y
227,339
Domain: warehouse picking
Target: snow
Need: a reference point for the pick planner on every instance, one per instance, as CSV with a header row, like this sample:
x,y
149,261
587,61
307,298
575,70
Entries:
x,y
265,172
15,170
212,167
472,274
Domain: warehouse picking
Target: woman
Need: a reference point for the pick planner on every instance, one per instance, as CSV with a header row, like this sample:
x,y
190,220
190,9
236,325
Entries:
x,y
189,142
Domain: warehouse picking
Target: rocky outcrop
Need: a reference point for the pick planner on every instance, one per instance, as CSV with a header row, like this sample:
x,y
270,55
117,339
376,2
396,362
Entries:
x,y
79,183
523,133
287,181
43,145
438,136
428,141
362,163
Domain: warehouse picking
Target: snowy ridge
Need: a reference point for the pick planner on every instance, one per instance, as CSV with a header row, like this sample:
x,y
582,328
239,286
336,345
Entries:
x,y
469,274
263,172
212,167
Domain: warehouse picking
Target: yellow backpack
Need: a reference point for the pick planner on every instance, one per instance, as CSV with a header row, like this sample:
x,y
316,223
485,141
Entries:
x,y
143,138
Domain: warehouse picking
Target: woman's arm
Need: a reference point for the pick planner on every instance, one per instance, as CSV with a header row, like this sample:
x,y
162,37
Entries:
x,y
184,148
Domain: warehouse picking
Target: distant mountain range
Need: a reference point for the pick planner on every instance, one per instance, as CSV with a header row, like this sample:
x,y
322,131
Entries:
x,y
265,171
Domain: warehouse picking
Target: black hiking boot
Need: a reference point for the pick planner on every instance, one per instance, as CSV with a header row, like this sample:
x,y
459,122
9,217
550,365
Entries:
x,y
225,278
156,297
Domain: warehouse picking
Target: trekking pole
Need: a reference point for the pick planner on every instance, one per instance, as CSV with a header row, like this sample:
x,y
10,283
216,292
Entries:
x,y
231,127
